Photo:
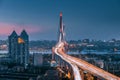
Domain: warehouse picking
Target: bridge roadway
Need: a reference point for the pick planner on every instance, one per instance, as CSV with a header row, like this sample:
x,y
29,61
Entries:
x,y
59,50
77,75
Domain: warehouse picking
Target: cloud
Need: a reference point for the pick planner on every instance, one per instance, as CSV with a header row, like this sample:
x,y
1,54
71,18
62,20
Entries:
x,y
7,28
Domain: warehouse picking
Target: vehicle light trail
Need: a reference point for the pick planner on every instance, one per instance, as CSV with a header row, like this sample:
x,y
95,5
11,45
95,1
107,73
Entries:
x,y
77,75
85,65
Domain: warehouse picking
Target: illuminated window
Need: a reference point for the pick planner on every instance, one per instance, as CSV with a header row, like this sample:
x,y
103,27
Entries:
x,y
20,40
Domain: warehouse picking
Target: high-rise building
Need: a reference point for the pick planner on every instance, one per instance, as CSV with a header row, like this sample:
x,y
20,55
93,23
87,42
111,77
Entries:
x,y
19,48
25,47
13,46
37,59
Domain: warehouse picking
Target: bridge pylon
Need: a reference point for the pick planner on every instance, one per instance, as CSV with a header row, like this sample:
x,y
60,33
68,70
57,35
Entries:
x,y
61,35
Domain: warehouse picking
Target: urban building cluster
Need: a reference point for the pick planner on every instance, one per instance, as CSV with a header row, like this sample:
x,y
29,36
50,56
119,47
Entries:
x,y
16,59
112,45
21,55
88,45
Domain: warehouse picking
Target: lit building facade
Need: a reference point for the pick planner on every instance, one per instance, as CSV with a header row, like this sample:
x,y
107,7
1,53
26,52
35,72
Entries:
x,y
19,48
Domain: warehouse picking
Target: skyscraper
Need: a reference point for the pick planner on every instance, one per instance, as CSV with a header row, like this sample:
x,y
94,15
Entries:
x,y
19,48
13,46
25,37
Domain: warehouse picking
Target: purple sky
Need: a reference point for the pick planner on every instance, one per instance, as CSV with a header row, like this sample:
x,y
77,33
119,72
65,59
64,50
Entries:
x,y
94,19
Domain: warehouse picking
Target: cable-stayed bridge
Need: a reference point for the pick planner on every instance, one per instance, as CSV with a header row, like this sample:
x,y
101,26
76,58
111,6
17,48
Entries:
x,y
75,68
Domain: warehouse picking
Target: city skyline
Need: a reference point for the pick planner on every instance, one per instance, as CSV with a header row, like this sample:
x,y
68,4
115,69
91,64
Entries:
x,y
83,19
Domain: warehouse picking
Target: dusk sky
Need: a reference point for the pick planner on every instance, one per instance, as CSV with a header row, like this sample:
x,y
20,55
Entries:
x,y
93,19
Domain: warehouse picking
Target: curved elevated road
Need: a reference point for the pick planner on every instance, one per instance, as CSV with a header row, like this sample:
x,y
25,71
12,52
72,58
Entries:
x,y
77,75
59,50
